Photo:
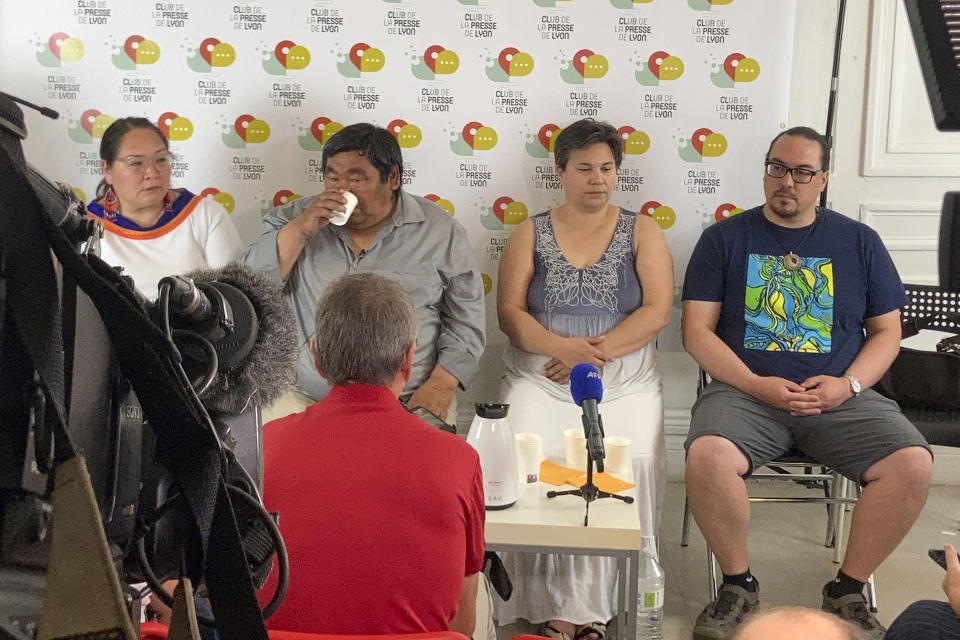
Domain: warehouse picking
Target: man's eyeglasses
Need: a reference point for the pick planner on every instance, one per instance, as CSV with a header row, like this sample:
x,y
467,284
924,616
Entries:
x,y
138,164
799,174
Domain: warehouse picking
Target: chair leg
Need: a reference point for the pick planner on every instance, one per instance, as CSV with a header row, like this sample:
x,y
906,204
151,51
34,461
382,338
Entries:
x,y
685,533
712,574
871,594
842,491
826,494
830,491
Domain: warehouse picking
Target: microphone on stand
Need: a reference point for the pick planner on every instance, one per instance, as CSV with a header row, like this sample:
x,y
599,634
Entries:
x,y
587,390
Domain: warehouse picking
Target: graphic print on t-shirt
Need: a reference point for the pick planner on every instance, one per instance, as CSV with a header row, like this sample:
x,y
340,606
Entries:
x,y
788,310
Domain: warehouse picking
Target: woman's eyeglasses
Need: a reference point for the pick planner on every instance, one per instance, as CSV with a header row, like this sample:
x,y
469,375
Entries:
x,y
162,162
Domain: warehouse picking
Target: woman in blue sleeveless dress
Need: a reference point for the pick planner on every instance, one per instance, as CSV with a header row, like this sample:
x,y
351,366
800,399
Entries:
x,y
584,282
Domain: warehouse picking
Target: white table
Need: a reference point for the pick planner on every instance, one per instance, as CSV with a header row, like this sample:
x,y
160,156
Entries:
x,y
537,524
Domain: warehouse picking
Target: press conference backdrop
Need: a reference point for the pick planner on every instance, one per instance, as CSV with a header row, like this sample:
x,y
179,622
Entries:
x,y
474,90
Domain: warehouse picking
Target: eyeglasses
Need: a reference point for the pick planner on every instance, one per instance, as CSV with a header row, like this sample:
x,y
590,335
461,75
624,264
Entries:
x,y
799,175
162,162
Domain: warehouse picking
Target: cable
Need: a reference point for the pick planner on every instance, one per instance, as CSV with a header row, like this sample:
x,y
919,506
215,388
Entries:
x,y
164,303
146,569
203,385
283,562
246,478
280,549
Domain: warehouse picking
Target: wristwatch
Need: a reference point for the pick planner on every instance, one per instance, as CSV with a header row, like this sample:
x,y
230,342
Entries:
x,y
854,385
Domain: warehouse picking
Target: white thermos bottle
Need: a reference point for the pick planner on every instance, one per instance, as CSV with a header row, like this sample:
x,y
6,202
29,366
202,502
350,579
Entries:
x,y
492,437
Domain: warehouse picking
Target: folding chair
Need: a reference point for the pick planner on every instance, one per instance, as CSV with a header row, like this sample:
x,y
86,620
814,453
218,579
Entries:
x,y
837,496
926,384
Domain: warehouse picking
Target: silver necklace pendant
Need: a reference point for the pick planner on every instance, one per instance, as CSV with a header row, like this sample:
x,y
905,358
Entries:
x,y
791,261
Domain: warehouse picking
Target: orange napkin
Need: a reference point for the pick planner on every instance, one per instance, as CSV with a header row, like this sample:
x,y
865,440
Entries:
x,y
604,482
555,474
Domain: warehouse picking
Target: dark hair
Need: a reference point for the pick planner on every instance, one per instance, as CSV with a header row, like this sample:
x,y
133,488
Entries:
x,y
113,136
376,144
365,324
584,133
810,134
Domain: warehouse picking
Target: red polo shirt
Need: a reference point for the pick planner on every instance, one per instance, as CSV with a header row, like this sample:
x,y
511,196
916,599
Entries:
x,y
381,513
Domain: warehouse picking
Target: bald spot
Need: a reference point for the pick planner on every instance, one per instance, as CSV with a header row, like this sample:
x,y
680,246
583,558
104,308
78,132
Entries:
x,y
796,624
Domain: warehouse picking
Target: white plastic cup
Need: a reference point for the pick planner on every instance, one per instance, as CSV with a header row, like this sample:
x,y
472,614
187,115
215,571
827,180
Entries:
x,y
617,454
340,217
575,444
529,456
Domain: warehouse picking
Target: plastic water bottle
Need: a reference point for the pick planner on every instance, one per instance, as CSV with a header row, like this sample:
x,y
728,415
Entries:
x,y
650,599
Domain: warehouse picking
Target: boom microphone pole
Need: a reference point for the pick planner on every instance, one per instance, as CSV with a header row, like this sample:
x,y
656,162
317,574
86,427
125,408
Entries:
x,y
834,85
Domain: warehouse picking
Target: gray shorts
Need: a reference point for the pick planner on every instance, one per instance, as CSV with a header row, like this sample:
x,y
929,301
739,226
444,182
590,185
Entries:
x,y
849,438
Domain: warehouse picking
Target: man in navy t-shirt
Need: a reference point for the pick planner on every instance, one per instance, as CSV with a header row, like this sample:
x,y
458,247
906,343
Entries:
x,y
794,312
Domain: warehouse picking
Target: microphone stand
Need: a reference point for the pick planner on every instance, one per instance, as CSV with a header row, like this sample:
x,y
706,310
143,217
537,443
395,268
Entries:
x,y
589,491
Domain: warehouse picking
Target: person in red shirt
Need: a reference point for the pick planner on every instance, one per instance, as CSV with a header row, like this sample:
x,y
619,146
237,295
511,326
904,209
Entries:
x,y
382,514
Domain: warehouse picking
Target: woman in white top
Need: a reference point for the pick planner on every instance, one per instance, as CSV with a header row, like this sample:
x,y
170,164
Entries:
x,y
153,230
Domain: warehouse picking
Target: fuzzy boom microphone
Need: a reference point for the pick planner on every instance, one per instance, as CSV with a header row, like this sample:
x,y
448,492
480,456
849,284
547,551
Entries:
x,y
243,315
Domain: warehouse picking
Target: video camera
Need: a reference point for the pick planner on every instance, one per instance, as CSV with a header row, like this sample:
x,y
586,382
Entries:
x,y
160,399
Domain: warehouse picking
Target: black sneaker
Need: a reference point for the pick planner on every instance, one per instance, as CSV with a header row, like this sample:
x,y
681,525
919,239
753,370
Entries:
x,y
721,617
853,608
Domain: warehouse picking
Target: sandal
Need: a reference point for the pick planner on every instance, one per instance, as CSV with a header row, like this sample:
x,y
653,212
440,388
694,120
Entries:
x,y
591,631
550,632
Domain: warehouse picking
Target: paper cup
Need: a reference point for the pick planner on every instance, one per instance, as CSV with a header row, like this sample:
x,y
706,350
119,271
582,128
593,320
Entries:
x,y
340,217
529,457
576,448
617,456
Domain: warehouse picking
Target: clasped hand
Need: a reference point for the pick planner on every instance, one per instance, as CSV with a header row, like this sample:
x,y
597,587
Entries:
x,y
573,351
811,397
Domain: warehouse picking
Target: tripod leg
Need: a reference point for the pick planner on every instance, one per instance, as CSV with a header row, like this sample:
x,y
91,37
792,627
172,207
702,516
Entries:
x,y
605,494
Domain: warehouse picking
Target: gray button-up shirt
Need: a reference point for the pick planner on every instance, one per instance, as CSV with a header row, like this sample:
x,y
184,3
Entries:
x,y
420,247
